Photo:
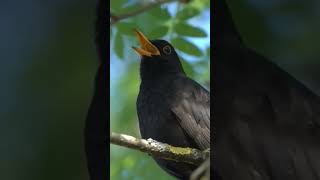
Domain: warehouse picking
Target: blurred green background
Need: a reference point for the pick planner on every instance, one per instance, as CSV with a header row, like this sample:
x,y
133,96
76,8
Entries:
x,y
286,32
48,63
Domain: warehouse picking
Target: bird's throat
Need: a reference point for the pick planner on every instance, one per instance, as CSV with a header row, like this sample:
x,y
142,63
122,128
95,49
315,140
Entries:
x,y
152,71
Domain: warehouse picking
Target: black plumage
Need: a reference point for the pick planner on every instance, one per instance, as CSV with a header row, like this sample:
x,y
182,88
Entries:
x,y
267,123
171,107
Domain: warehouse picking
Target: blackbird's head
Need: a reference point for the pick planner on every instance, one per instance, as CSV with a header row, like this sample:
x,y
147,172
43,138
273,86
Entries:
x,y
158,56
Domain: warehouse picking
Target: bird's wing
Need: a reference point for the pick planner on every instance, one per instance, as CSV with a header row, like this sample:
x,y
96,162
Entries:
x,y
192,109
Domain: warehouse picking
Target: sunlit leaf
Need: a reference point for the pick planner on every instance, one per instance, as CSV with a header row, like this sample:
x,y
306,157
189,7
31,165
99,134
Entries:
x,y
187,13
129,8
126,28
187,67
158,32
160,13
188,30
129,161
116,4
186,46
118,45
200,4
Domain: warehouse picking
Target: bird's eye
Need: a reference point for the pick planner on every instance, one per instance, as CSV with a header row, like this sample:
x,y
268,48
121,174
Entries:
x,y
167,49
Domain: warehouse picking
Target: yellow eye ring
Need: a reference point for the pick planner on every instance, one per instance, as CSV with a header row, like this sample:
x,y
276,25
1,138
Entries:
x,y
167,49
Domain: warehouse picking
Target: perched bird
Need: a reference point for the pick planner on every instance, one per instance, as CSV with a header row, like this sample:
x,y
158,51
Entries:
x,y
96,130
267,123
171,107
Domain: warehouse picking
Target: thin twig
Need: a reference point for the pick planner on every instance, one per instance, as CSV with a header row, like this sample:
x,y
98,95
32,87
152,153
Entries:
x,y
160,150
202,172
115,18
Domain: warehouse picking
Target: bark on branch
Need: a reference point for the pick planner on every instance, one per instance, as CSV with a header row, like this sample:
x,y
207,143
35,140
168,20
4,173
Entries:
x,y
160,150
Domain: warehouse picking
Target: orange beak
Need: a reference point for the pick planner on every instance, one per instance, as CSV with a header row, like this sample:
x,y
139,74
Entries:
x,y
147,48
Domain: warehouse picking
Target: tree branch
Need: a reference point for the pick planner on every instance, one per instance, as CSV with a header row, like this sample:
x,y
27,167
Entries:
x,y
115,18
160,150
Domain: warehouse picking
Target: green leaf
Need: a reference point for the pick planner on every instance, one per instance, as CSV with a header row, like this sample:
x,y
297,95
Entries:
x,y
160,13
116,4
187,13
126,28
188,30
186,46
118,45
200,4
158,32
187,67
129,8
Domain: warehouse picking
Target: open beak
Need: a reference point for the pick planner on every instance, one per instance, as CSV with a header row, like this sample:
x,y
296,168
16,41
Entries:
x,y
147,48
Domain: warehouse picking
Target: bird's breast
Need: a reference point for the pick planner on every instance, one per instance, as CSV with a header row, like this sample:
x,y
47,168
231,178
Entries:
x,y
157,121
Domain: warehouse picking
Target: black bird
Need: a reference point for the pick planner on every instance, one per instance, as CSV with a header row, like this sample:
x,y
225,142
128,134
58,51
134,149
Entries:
x,y
172,108
96,130
267,123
